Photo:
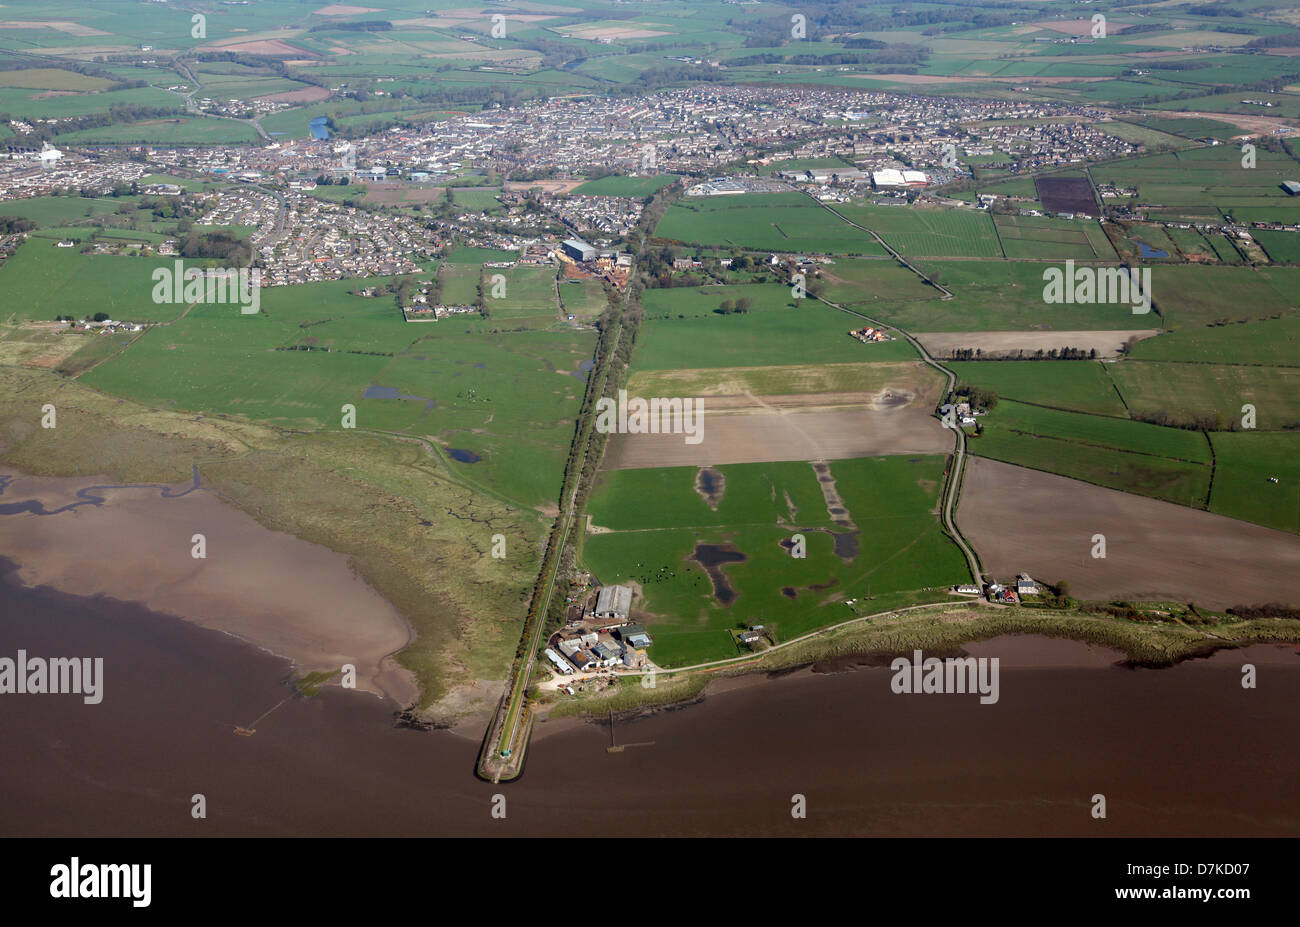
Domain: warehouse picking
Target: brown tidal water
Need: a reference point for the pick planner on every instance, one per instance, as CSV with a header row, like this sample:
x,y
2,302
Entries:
x,y
1177,751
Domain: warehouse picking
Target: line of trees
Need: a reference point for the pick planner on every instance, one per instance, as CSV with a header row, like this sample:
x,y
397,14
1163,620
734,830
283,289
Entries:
x,y
739,306
13,225
222,246
1066,353
363,25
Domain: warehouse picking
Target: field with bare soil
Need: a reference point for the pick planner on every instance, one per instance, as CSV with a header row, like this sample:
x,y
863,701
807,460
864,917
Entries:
x,y
1023,520
781,432
995,344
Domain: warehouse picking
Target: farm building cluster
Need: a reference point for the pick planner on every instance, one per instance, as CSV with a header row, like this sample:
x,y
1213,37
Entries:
x,y
579,260
870,335
600,635
1010,594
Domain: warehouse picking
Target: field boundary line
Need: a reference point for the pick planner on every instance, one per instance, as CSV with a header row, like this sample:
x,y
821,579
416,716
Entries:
x,y
1107,447
1080,479
1214,468
1122,401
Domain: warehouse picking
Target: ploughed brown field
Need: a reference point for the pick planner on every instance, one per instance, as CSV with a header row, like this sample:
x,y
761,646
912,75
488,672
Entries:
x,y
994,344
1023,520
306,95
819,426
1066,194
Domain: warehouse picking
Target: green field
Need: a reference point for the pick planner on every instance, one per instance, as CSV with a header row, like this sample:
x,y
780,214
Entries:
x,y
1191,295
918,232
460,283
1004,296
1245,462
1206,182
787,222
1079,386
1166,463
504,398
178,131
891,503
863,281
1282,247
1191,244
636,187
1045,238
529,294
1215,390
43,281
683,331
466,255
583,299
1272,342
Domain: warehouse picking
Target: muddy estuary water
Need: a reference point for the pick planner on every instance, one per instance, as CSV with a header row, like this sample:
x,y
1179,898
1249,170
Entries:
x,y
1176,751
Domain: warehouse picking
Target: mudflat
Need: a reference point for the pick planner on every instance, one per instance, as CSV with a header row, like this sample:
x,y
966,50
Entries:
x,y
295,599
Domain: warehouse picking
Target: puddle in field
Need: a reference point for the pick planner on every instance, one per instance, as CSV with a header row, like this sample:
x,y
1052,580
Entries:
x,y
890,399
390,392
845,542
710,484
713,557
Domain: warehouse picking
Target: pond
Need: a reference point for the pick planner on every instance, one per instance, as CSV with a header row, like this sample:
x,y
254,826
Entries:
x,y
391,392
713,557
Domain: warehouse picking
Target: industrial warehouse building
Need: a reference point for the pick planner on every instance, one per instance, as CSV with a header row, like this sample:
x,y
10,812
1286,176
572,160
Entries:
x,y
613,602
578,249
895,178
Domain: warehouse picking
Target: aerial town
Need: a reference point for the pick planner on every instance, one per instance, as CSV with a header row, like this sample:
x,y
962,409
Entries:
x,y
900,146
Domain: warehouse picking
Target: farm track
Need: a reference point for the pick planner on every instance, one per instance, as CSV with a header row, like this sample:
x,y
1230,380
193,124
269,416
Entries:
x,y
959,455
506,742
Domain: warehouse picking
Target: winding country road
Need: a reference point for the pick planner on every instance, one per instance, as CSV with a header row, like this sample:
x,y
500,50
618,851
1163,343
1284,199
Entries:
x,y
959,453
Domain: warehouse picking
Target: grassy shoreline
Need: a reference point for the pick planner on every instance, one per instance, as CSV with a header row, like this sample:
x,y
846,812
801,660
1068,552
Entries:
x,y
942,631
411,530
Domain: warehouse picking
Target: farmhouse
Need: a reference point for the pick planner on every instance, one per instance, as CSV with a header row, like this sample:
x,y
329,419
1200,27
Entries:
x,y
1000,593
869,335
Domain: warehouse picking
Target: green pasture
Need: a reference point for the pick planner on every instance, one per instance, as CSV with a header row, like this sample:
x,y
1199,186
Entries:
x,y
682,331
890,500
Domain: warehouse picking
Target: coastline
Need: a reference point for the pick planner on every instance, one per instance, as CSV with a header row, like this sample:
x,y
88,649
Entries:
x,y
945,632
293,599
